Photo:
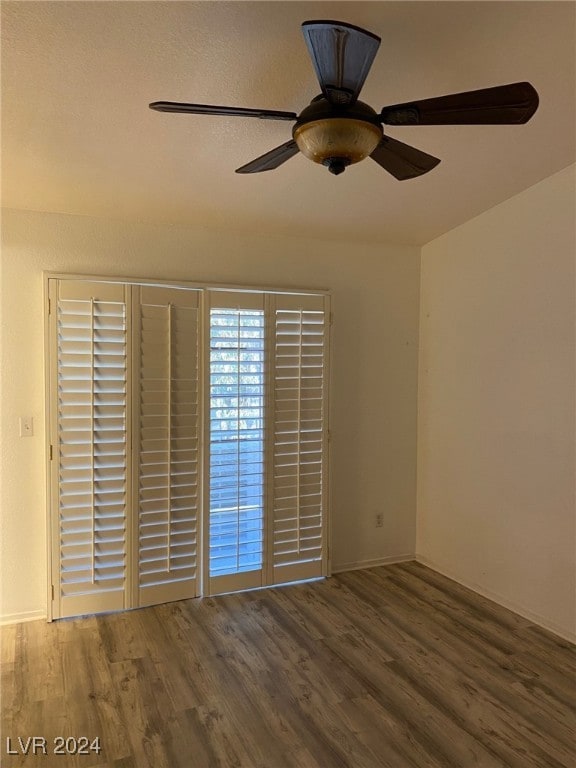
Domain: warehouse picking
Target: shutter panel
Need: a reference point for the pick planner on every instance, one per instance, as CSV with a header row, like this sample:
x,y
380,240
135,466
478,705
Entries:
x,y
299,474
166,327
91,385
236,439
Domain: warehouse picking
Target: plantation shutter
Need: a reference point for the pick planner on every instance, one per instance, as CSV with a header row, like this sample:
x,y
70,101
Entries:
x,y
235,436
88,433
299,371
167,426
188,448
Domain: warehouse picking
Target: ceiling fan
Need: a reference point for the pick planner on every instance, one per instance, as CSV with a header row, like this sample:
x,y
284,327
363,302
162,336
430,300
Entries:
x,y
336,129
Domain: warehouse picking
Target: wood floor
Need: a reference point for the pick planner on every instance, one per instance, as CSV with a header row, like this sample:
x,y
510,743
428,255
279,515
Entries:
x,y
393,667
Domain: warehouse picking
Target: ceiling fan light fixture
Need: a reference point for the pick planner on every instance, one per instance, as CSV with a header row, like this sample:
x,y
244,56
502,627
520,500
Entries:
x,y
336,129
344,139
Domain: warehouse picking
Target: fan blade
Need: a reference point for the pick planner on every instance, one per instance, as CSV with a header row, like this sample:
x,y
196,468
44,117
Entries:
x,y
502,105
342,56
271,159
402,160
208,109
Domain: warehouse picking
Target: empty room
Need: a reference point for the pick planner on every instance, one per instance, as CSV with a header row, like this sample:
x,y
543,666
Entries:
x,y
288,384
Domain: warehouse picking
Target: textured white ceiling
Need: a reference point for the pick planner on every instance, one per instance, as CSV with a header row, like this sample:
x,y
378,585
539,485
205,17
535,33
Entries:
x,y
78,137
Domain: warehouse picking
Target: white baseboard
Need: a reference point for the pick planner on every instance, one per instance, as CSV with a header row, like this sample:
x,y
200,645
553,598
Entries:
x,y
18,618
501,600
357,565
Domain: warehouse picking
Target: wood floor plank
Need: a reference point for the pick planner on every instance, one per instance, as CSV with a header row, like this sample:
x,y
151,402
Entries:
x,y
139,702
472,655
389,736
241,679
293,649
105,700
258,686
8,643
439,734
44,658
520,665
463,596
559,655
424,622
392,667
411,626
481,715
119,636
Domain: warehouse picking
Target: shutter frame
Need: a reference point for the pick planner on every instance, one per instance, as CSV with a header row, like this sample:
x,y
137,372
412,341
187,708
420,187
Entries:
x,y
89,423
300,330
166,445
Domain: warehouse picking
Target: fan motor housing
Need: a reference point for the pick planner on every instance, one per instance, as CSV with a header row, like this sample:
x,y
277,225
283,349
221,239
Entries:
x,y
337,135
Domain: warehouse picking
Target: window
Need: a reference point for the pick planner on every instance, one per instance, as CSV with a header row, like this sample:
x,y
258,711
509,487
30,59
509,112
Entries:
x,y
236,441
188,441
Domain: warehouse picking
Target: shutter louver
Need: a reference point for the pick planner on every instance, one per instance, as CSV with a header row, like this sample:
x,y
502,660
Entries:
x,y
168,421
300,438
92,472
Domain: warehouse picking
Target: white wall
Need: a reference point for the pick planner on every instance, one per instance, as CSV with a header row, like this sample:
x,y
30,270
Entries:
x,y
376,296
496,482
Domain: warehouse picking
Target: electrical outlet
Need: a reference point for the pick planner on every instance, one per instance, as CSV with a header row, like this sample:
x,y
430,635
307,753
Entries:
x,y
379,520
26,426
